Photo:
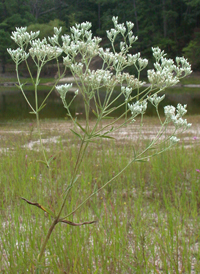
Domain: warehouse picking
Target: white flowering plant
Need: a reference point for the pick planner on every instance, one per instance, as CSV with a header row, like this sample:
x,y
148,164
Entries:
x,y
78,50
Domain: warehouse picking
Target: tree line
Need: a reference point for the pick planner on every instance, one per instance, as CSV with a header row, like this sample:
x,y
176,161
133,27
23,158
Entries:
x,y
173,25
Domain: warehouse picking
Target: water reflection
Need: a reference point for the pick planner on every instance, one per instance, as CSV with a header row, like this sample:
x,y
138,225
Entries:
x,y
14,106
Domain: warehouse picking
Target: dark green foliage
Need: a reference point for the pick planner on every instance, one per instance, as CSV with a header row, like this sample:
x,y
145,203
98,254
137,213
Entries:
x,y
192,52
165,23
47,29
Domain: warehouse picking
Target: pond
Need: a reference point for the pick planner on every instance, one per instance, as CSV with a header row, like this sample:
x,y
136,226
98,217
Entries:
x,y
14,107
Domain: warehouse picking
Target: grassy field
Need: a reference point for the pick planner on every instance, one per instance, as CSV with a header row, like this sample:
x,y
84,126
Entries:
x,y
148,218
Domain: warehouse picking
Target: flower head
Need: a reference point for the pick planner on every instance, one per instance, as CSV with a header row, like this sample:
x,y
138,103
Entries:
x,y
138,108
22,37
63,89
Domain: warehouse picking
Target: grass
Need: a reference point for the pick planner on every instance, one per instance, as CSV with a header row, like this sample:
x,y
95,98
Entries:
x,y
148,219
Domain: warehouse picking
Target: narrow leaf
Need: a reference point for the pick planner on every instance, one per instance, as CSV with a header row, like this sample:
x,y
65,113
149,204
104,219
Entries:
x,y
82,128
42,162
41,107
51,159
106,136
95,113
95,188
78,135
141,161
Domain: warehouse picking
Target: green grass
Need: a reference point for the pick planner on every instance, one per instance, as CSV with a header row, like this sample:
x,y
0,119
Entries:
x,y
148,219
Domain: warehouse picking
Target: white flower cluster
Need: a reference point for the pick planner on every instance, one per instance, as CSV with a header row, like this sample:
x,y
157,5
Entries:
x,y
181,110
81,31
132,58
174,140
138,108
184,68
22,37
120,28
66,41
80,47
129,80
158,54
169,112
112,34
43,51
77,68
175,115
166,73
87,49
98,78
121,60
18,55
54,40
81,41
127,92
155,99
63,89
142,63
109,57
69,47
67,61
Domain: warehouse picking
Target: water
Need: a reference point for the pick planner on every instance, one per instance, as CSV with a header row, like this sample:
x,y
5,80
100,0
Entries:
x,y
14,107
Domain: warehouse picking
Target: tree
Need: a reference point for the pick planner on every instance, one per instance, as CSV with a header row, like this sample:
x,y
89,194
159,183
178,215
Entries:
x,y
47,29
5,42
14,13
192,51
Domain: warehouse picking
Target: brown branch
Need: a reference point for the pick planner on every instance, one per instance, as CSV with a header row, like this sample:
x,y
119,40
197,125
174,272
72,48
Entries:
x,y
76,224
35,204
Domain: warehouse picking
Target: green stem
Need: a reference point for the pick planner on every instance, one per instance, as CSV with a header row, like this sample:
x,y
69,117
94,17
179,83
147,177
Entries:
x,y
20,86
37,115
126,107
138,89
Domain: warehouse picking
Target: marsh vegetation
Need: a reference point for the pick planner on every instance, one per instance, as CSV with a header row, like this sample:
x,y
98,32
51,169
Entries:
x,y
148,218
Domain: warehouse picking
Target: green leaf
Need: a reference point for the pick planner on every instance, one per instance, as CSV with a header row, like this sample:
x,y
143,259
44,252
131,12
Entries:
x,y
95,188
78,135
51,159
110,110
76,178
82,128
106,136
20,86
95,113
42,162
41,107
108,131
142,161
134,152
